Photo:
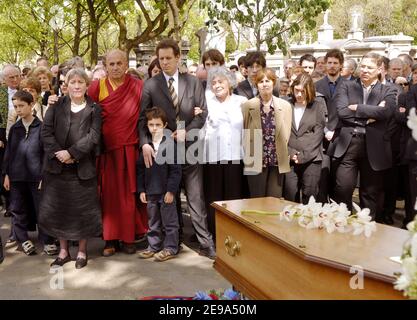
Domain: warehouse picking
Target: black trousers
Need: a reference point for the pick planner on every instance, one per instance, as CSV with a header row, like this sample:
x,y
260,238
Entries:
x,y
412,170
396,182
302,178
192,176
371,190
222,181
20,193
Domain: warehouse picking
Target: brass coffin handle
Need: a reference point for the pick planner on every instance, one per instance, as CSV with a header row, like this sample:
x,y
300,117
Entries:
x,y
232,246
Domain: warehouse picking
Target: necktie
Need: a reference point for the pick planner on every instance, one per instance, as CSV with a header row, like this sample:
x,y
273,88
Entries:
x,y
332,87
172,93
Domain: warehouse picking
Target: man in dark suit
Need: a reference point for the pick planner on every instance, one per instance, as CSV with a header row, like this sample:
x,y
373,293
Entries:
x,y
178,94
328,87
360,145
12,80
255,61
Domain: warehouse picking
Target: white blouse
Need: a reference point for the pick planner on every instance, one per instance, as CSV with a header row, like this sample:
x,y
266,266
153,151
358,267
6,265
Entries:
x,y
223,129
298,114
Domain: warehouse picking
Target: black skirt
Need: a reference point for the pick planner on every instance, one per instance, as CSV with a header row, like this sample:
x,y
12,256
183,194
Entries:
x,y
69,207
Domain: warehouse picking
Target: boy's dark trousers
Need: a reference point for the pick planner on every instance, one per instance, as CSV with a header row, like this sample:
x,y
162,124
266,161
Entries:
x,y
162,216
20,192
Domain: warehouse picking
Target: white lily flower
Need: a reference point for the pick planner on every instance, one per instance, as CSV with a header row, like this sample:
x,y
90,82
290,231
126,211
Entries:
x,y
369,227
340,223
412,122
304,221
410,268
363,214
414,246
402,283
288,213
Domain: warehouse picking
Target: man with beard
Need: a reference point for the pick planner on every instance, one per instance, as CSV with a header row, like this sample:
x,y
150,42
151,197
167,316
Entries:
x,y
328,87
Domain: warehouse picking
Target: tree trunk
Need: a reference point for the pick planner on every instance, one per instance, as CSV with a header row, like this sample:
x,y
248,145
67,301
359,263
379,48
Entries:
x,y
258,28
77,36
94,46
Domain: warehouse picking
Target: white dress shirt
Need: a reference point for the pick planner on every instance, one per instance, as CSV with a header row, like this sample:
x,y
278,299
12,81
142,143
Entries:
x,y
10,93
298,114
175,76
223,129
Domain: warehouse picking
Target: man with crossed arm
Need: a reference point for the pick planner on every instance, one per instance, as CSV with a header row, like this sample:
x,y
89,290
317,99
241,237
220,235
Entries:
x,y
364,107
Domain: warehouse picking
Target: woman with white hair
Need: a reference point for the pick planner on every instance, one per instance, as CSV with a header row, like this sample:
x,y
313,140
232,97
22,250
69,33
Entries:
x,y
223,151
69,208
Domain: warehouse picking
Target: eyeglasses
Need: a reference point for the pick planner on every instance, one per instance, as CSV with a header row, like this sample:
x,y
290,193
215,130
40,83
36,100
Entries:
x,y
404,84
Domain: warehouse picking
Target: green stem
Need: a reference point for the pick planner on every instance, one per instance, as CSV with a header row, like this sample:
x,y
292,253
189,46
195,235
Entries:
x,y
268,213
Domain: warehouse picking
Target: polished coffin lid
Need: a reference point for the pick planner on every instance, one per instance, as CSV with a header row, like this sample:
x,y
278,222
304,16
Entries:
x,y
337,250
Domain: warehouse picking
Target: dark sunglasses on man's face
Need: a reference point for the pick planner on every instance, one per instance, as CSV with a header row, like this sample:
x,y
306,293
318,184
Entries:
x,y
404,84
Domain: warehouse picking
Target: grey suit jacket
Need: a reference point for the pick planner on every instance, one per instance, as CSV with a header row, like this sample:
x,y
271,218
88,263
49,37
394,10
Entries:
x,y
373,117
307,141
55,132
191,94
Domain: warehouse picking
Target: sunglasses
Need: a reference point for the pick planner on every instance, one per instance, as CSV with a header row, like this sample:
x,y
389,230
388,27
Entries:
x,y
405,84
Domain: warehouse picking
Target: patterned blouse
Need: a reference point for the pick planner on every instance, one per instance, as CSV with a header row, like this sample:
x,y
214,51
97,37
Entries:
x,y
268,134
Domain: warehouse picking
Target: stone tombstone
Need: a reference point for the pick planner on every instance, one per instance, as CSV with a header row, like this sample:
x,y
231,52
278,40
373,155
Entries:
x,y
212,37
146,51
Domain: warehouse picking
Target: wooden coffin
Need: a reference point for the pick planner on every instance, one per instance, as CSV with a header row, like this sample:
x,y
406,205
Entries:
x,y
266,258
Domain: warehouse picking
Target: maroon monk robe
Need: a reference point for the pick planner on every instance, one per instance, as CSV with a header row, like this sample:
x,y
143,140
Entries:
x,y
123,214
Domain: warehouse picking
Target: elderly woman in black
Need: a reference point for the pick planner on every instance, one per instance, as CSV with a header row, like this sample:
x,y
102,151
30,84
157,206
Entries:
x,y
69,208
305,145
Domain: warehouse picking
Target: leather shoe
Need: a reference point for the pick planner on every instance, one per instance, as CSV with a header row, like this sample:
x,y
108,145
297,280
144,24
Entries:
x,y
60,262
110,248
208,252
129,248
80,263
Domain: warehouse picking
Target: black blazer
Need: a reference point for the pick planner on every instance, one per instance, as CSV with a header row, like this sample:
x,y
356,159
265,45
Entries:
x,y
55,132
24,153
307,141
370,116
191,94
244,89
164,175
322,86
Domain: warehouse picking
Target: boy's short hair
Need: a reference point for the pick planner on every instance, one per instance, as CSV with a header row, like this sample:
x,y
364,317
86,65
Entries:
x,y
156,113
214,55
23,96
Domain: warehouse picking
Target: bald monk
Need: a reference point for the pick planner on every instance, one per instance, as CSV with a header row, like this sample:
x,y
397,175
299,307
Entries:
x,y
119,95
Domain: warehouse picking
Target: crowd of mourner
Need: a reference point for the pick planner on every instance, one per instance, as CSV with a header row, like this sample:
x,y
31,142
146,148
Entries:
x,y
106,152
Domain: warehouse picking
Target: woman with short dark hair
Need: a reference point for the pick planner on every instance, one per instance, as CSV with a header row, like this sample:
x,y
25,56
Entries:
x,y
267,127
305,145
70,208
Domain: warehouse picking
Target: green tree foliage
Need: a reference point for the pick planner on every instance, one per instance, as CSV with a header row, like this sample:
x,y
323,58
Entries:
x,y
272,21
